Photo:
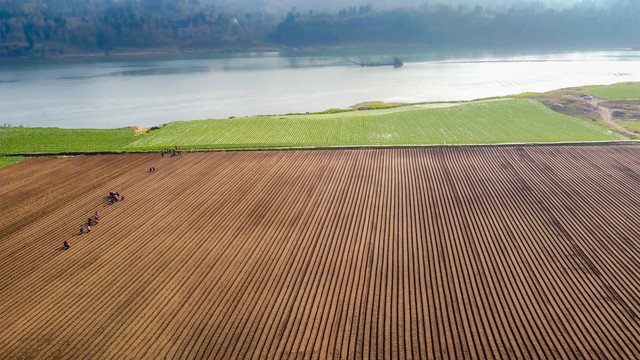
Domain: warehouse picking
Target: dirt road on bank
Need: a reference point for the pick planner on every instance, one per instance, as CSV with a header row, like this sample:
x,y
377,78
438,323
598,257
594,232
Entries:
x,y
606,115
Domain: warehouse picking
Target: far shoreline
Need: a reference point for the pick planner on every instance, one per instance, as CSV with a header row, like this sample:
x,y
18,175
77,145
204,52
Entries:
x,y
142,53
281,48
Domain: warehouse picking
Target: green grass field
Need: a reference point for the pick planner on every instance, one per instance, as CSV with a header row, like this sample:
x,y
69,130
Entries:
x,y
632,125
617,91
519,120
503,121
18,140
8,160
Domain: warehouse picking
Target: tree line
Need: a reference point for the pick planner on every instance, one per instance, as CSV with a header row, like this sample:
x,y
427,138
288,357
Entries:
x,y
531,26
51,27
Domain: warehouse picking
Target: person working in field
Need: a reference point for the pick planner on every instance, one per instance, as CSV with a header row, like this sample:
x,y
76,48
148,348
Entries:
x,y
97,217
66,245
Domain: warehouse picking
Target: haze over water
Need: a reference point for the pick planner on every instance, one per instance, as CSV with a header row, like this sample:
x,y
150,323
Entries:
x,y
117,92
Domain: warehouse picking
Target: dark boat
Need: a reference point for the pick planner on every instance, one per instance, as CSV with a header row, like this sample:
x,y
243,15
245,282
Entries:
x,y
397,62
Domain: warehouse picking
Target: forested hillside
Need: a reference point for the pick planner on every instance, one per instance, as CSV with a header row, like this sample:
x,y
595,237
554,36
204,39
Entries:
x,y
526,26
49,27
58,27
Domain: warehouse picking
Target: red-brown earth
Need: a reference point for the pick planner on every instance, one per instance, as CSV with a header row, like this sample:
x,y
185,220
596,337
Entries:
x,y
514,252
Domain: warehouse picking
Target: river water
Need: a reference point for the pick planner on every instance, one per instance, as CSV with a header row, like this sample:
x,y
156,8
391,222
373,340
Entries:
x,y
145,91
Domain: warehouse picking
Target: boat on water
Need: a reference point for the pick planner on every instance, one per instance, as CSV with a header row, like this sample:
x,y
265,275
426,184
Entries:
x,y
397,62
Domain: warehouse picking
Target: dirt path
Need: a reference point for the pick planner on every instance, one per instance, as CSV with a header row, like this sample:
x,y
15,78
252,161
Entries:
x,y
605,115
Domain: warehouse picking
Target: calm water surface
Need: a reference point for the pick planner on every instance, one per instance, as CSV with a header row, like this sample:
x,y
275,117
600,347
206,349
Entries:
x,y
118,92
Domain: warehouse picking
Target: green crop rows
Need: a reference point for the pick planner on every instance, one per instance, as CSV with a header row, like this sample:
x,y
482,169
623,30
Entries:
x,y
18,140
504,121
482,122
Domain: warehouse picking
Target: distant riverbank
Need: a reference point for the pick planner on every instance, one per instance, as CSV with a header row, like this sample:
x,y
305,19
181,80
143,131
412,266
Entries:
x,y
143,52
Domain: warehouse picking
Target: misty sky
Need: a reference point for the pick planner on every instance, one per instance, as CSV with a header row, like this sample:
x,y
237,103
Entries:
x,y
334,5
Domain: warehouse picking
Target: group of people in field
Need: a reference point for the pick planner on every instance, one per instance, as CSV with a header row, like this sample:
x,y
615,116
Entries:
x,y
90,221
114,197
173,152
93,221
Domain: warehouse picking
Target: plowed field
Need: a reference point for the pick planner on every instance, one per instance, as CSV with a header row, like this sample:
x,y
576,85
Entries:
x,y
435,253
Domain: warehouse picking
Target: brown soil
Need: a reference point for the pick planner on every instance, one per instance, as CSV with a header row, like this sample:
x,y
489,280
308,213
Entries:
x,y
398,253
623,110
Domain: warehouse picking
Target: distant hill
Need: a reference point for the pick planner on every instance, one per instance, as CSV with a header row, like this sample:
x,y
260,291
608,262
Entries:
x,y
71,27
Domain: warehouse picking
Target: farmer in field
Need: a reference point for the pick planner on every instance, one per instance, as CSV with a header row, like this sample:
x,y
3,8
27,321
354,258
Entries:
x,y
66,245
88,228
89,221
97,217
81,230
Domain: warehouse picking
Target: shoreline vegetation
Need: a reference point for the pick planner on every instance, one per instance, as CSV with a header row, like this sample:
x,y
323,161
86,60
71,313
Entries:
x,y
557,117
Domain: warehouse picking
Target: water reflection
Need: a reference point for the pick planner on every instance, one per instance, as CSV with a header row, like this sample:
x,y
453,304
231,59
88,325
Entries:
x,y
148,91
